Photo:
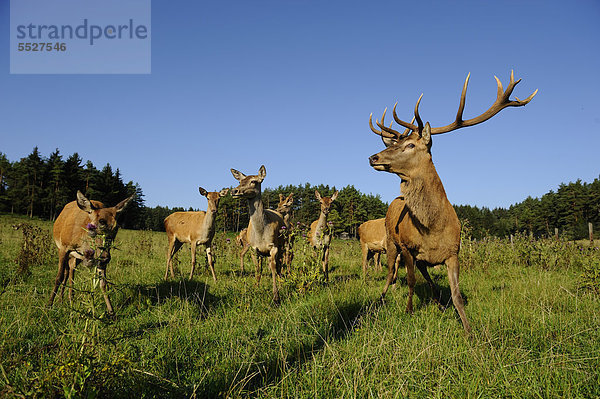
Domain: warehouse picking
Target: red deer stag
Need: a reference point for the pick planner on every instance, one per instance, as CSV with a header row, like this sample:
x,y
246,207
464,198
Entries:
x,y
320,231
422,226
84,231
195,228
372,242
264,228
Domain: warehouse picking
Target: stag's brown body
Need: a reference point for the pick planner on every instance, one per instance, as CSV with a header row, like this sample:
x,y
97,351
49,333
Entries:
x,y
265,227
373,242
195,228
320,231
422,226
84,231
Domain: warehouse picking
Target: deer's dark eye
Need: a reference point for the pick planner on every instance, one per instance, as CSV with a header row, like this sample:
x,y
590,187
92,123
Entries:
x,y
410,145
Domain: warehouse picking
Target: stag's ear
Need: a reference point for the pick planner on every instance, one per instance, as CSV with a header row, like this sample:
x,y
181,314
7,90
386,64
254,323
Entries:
x,y
262,173
388,141
223,192
334,196
202,191
318,195
426,135
237,174
121,205
83,203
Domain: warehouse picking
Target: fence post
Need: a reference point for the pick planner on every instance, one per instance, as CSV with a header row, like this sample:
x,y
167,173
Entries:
x,y
591,230
556,233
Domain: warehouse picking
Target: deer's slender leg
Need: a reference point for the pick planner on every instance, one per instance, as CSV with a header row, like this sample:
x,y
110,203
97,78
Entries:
x,y
457,300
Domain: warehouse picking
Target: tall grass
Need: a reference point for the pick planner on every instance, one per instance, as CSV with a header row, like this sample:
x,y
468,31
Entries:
x,y
533,305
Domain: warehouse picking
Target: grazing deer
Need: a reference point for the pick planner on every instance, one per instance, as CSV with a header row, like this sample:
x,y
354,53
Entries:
x,y
195,228
284,207
264,229
84,231
320,231
422,226
373,241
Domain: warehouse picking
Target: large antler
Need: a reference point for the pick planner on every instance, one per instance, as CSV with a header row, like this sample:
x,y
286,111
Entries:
x,y
387,132
502,101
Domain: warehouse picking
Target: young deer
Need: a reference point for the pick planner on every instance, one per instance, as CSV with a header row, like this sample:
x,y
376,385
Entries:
x,y
264,229
195,228
422,226
284,207
373,241
320,232
84,231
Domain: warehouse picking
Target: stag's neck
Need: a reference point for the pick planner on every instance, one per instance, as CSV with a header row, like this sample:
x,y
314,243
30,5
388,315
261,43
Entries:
x,y
257,213
426,198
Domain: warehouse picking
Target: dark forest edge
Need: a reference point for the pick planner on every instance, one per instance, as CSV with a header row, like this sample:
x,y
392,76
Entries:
x,y
39,187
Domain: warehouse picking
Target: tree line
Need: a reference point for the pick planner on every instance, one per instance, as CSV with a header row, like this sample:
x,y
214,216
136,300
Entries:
x,y
40,186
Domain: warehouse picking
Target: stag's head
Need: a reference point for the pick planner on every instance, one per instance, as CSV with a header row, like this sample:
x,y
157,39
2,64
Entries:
x,y
408,150
213,198
326,201
102,227
249,186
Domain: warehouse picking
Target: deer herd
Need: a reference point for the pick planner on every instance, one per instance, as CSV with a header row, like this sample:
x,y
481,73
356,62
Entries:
x,y
420,228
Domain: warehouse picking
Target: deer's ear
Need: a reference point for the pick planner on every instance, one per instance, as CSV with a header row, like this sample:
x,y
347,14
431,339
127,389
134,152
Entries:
x,y
202,191
318,195
426,135
334,196
223,192
237,174
262,173
121,205
388,141
83,203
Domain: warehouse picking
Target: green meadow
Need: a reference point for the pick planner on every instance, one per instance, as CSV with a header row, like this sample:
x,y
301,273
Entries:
x,y
534,307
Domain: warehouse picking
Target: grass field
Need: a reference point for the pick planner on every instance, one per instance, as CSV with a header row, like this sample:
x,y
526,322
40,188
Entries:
x,y
534,308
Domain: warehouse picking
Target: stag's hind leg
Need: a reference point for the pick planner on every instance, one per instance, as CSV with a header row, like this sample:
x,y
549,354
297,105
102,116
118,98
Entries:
x,y
273,265
210,261
435,292
102,273
457,300
73,262
392,252
409,265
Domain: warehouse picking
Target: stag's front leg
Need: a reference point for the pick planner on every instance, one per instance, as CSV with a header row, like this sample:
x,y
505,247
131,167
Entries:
x,y
60,277
72,265
457,300
102,274
409,265
210,261
392,253
257,259
273,265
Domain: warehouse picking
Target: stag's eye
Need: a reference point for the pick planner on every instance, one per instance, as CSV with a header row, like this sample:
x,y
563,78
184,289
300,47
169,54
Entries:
x,y
410,145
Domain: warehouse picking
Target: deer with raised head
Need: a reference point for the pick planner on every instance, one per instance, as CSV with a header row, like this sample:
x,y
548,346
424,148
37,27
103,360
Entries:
x,y
320,231
84,232
422,226
284,207
264,229
373,241
195,228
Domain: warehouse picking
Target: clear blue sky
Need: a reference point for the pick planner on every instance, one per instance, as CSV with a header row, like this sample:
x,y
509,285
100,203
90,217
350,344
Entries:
x,y
291,84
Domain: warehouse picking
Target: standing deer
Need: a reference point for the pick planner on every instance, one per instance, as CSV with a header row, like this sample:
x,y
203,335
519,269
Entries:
x,y
195,228
284,207
373,241
84,231
264,228
320,232
422,226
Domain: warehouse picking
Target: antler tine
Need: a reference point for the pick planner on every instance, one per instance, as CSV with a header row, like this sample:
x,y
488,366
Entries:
x,y
417,116
382,133
409,126
395,133
502,101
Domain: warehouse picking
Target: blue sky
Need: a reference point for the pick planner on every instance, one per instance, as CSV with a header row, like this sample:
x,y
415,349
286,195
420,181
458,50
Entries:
x,y
291,84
